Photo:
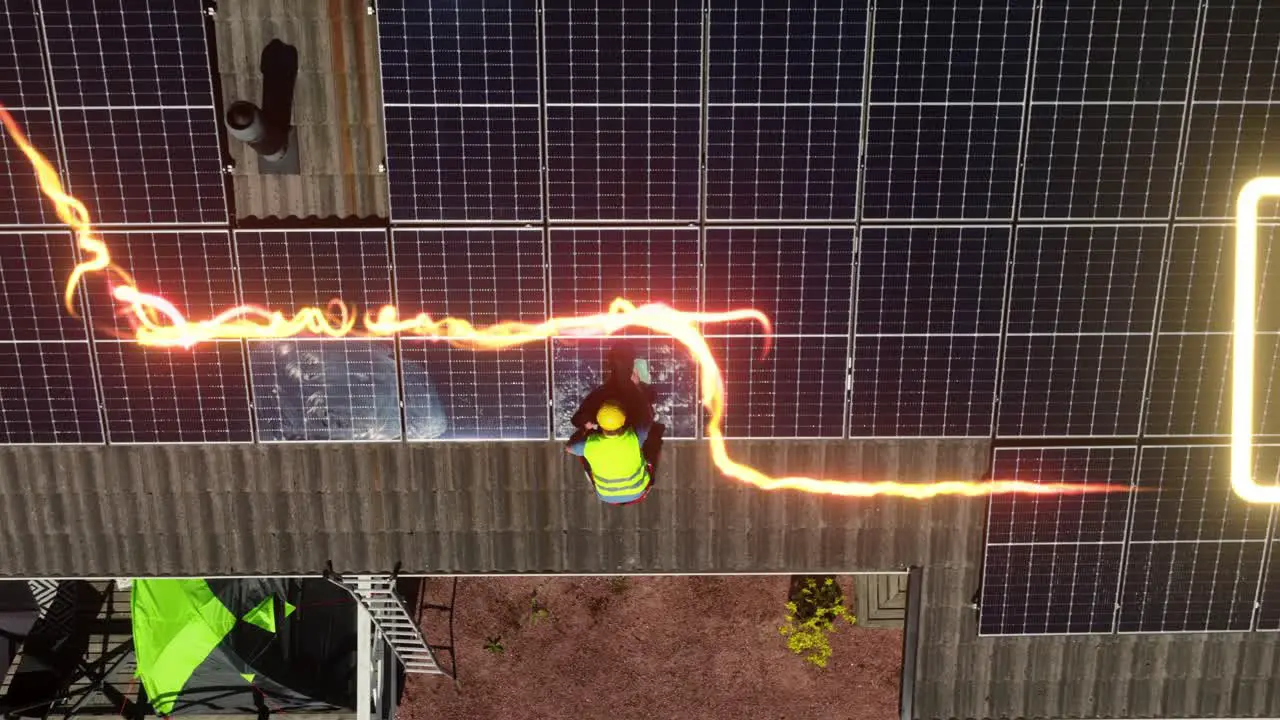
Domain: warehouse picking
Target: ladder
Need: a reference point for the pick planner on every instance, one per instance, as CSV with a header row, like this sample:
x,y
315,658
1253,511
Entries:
x,y
377,593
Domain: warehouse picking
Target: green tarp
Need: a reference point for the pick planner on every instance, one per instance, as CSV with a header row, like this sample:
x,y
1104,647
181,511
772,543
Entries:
x,y
176,624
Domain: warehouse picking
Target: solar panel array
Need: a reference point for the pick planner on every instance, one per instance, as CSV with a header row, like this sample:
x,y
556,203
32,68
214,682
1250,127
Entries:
x,y
1004,220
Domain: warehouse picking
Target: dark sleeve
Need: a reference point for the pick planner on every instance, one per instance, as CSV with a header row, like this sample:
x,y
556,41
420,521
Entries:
x,y
590,406
636,404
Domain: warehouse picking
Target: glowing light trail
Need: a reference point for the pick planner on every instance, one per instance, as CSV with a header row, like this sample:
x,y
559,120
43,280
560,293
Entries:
x,y
158,322
1242,341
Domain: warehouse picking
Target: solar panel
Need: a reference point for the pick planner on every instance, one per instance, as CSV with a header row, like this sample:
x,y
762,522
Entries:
x,y
1052,563
589,268
1196,549
1269,598
577,367
797,390
135,103
21,202
34,266
1227,145
320,389
22,77
153,395
47,394
1240,53
485,276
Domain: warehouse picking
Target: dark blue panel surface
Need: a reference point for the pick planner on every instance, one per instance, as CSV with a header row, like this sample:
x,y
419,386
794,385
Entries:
x,y
1049,589
1194,587
1200,291
797,390
121,53
589,268
1086,279
1097,161
193,269
782,163
578,367
461,394
791,54
1061,518
1055,385
480,52
801,278
602,54
325,390
1269,601
923,385
174,395
942,162
47,393
295,268
1190,391
1189,496
146,166
34,267
1123,51
972,53
21,202
22,78
932,280
623,163
482,276
1227,146
463,163
1240,52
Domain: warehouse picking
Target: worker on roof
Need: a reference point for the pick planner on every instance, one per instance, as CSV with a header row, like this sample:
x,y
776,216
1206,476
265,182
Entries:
x,y
615,457
626,385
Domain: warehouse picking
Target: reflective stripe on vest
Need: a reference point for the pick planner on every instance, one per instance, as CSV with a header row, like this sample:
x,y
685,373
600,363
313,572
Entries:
x,y
618,468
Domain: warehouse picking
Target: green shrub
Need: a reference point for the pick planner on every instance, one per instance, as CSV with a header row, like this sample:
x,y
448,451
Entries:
x,y
811,618
494,645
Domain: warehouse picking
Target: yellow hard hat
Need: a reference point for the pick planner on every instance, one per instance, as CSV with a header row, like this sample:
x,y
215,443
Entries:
x,y
610,417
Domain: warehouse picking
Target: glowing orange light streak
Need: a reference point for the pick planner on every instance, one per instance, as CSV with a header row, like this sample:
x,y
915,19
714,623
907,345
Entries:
x,y
159,323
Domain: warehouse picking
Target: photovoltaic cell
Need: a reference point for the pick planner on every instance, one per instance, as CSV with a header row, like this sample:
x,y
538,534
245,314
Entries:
x,y
463,163
1190,586
453,393
325,390
1240,53
1190,391
1101,161
606,54
1049,589
1227,145
22,78
1086,279
797,390
1200,290
47,394
1058,385
478,53
623,162
121,54
167,395
1269,600
146,166
21,202
782,163
193,269
484,276
941,162
1132,50
956,54
1094,518
795,54
1193,500
923,385
291,269
589,268
931,280
799,277
34,267
578,367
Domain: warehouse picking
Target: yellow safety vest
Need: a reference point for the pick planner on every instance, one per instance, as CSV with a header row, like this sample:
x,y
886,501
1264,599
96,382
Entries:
x,y
617,466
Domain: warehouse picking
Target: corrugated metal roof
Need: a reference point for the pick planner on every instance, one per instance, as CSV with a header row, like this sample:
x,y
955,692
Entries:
x,y
521,507
337,106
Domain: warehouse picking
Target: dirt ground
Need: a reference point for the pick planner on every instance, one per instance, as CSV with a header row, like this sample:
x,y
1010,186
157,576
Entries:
x,y
651,648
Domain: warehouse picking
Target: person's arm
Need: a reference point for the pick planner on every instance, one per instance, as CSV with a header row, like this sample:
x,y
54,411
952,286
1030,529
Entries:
x,y
577,448
586,413
642,433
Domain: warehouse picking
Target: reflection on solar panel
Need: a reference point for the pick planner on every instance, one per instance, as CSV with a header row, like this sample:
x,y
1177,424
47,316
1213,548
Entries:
x,y
1001,220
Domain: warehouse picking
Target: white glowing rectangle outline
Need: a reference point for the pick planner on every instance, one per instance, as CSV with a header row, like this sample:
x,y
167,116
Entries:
x,y
1243,334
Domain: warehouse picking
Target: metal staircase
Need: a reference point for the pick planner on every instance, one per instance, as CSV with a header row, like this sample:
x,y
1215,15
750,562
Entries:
x,y
377,593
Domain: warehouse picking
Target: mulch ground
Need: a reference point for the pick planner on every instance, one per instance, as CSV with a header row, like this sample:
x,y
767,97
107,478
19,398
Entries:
x,y
651,649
